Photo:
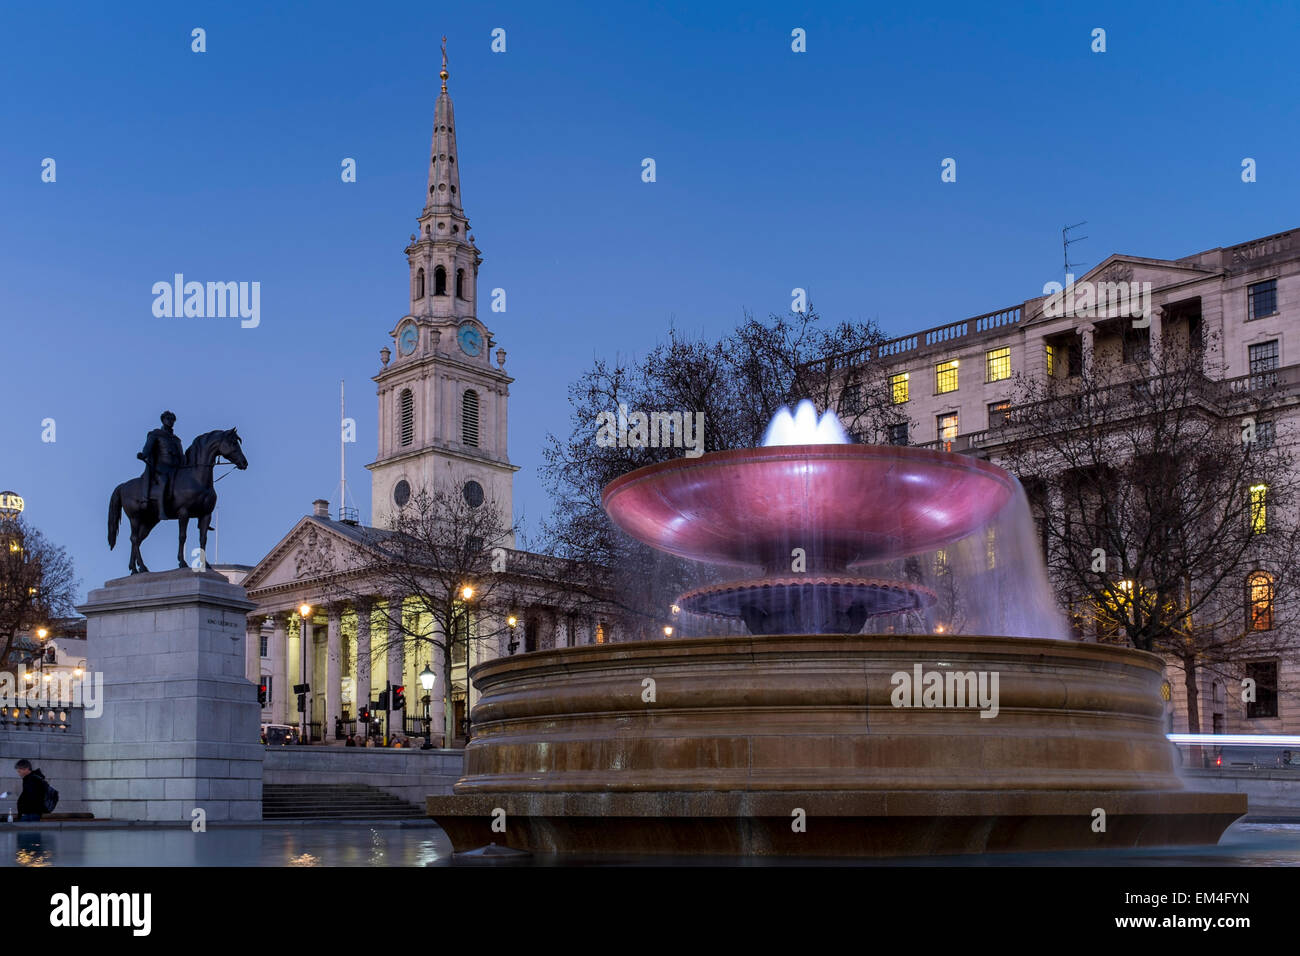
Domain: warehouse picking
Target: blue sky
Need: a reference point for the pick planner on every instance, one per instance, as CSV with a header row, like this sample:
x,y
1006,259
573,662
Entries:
x,y
775,170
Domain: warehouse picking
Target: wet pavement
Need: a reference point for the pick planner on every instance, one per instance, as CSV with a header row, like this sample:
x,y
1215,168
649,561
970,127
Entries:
x,y
387,844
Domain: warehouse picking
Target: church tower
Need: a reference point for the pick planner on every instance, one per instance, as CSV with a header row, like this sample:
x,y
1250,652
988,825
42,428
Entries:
x,y
442,403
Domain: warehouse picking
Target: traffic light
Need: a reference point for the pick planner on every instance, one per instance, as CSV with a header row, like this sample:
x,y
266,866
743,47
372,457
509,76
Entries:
x,y
383,700
261,693
399,697
364,715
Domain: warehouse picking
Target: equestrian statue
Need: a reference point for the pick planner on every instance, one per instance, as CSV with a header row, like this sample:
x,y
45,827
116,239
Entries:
x,y
175,485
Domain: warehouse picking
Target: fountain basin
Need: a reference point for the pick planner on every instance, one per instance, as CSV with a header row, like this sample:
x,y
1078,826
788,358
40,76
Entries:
x,y
841,504
742,732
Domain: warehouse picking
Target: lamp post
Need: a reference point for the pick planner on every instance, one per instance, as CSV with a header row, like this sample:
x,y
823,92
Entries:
x,y
512,622
427,677
304,613
467,595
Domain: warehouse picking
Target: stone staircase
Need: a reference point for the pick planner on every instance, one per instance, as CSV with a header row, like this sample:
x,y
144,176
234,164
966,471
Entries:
x,y
334,801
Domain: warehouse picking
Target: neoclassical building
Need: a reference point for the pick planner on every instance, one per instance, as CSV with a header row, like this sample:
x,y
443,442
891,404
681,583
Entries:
x,y
443,407
952,387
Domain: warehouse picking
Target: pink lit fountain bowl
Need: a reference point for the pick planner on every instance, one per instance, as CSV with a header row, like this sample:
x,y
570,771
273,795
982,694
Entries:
x,y
842,504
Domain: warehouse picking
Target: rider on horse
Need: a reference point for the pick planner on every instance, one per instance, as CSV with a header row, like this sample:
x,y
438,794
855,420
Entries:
x,y
163,456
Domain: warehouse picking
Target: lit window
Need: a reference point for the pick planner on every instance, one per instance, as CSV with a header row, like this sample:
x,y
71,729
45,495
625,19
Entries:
x,y
1259,601
1258,509
999,364
948,430
945,377
898,388
999,414
1051,360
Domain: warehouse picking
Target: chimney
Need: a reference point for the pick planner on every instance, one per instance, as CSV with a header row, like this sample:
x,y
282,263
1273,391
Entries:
x,y
321,508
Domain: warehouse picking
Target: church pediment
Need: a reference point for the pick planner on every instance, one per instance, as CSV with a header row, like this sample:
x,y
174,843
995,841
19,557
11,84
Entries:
x,y
313,550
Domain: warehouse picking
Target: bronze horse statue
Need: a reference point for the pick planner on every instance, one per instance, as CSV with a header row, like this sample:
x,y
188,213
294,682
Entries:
x,y
189,495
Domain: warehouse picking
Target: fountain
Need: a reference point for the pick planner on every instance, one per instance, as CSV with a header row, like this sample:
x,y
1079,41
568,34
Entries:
x,y
807,737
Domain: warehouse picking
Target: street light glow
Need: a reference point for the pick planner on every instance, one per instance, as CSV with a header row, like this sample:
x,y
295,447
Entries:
x,y
467,592
304,610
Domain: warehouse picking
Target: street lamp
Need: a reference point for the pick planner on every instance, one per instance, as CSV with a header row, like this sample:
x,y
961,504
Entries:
x,y
304,612
427,677
668,630
512,622
467,592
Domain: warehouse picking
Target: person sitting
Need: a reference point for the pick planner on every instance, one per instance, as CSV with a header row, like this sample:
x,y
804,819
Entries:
x,y
350,742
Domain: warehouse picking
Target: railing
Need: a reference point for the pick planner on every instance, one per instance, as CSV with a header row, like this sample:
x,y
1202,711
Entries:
x,y
42,718
977,325
1249,252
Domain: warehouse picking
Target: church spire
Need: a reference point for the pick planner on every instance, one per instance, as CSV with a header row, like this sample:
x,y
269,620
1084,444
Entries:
x,y
444,176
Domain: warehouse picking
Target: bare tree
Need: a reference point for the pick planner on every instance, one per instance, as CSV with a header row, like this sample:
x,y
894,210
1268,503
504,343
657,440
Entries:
x,y
37,583
733,385
441,559
1167,504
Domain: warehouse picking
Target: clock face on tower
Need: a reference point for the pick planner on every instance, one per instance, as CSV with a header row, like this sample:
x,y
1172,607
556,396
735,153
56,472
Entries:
x,y
407,338
470,339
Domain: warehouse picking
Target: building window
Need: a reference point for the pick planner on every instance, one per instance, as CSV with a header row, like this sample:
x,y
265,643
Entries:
x,y
1137,345
460,283
419,284
439,281
600,632
1259,601
1074,360
1263,364
947,429
898,393
401,493
473,494
1264,674
469,418
1051,360
999,414
897,433
945,377
1262,299
999,364
406,417
1258,509
263,641
1265,433
851,400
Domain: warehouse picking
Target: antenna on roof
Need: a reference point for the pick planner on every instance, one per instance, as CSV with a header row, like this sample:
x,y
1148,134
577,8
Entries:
x,y
1066,241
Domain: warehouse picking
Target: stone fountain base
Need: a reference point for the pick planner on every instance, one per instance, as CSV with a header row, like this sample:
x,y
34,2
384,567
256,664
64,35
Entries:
x,y
817,746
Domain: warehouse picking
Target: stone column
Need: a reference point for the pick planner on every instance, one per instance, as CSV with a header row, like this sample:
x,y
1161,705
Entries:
x,y
561,629
394,664
306,668
1086,333
253,649
582,630
441,688
1157,334
333,670
362,679
281,680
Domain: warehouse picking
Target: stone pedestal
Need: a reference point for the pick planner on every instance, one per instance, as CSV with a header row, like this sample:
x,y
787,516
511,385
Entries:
x,y
180,728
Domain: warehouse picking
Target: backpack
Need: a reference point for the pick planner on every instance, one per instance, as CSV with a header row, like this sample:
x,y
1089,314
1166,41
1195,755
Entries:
x,y
51,798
